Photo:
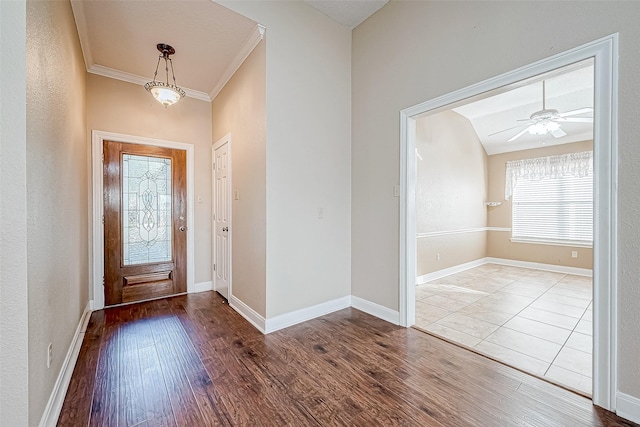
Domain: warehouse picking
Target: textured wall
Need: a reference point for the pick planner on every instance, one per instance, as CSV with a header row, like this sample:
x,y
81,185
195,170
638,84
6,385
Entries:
x,y
239,109
14,344
410,52
308,154
57,235
451,189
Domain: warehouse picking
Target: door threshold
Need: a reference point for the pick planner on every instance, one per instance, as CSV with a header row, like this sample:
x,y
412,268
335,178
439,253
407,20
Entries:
x,y
144,300
473,350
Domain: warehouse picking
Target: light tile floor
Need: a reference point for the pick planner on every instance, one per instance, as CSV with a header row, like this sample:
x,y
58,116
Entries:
x,y
535,320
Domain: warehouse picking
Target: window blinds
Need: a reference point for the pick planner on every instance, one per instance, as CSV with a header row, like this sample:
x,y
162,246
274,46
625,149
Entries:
x,y
554,207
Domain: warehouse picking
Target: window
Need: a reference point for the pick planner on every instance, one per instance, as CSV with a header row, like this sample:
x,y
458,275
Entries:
x,y
552,199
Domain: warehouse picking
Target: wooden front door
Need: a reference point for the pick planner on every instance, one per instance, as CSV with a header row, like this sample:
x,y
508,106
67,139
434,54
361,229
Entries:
x,y
145,212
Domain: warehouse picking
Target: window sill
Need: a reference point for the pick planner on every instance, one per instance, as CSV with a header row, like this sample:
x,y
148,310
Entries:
x,y
552,242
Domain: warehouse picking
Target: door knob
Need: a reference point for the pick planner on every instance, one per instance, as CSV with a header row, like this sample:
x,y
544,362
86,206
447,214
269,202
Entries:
x,y
225,228
182,228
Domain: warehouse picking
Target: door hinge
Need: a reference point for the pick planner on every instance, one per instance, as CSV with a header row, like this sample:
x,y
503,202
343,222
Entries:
x,y
103,157
102,280
214,166
214,267
103,219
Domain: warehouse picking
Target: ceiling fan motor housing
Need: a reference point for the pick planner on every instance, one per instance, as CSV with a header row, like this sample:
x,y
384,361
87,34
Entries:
x,y
547,114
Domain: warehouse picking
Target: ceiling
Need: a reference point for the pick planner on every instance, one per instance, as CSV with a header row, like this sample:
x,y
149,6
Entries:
x,y
567,89
119,38
349,13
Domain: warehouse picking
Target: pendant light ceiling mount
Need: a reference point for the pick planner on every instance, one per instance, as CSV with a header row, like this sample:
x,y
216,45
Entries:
x,y
165,49
164,92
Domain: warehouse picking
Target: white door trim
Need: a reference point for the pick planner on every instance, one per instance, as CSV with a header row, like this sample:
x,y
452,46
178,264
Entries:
x,y
219,143
605,52
97,260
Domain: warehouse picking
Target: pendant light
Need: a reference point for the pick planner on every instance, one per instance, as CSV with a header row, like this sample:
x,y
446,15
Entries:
x,y
164,92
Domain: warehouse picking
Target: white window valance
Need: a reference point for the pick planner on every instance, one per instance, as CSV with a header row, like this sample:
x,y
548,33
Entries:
x,y
573,164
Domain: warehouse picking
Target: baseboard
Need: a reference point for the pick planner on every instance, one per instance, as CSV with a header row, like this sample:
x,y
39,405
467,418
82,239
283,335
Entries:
x,y
376,310
628,407
54,405
289,319
540,266
203,287
248,313
421,280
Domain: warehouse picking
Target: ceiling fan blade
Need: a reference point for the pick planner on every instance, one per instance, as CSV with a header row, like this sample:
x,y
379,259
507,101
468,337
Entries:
x,y
558,133
578,119
576,112
504,130
519,134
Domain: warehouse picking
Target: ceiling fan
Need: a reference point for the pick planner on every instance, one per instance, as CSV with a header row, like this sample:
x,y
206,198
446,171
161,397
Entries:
x,y
549,121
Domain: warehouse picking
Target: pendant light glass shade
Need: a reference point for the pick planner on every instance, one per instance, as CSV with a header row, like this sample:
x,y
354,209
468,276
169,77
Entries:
x,y
164,92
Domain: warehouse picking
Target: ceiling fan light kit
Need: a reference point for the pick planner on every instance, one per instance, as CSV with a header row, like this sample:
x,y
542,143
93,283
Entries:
x,y
164,92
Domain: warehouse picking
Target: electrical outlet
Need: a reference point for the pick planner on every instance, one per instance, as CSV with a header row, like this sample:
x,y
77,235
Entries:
x,y
49,355
574,254
438,256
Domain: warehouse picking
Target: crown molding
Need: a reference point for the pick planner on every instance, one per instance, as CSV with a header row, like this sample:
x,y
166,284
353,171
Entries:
x,y
140,80
77,8
93,68
252,41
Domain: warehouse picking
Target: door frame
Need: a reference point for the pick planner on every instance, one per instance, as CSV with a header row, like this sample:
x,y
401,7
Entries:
x,y
219,143
605,268
96,287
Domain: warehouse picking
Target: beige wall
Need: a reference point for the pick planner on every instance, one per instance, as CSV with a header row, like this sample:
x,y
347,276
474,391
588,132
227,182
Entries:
x,y
126,108
57,235
440,252
308,154
409,52
451,189
14,334
499,244
239,109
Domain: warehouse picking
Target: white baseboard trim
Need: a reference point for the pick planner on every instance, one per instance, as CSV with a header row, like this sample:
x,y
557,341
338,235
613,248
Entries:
x,y
203,287
54,405
248,313
628,407
292,318
421,280
376,310
540,266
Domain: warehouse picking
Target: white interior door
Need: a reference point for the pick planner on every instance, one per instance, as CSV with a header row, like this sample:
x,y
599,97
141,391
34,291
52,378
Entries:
x,y
222,217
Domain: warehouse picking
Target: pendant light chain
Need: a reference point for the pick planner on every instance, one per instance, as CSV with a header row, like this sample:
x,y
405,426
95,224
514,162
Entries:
x,y
172,73
166,66
157,65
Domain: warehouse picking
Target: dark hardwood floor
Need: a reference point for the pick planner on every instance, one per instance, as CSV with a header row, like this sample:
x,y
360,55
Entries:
x,y
193,361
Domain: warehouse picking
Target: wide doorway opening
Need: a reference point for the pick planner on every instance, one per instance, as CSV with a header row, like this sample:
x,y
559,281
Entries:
x,y
504,210
466,263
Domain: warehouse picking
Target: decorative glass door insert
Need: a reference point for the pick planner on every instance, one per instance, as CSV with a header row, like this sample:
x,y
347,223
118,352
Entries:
x,y
146,209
